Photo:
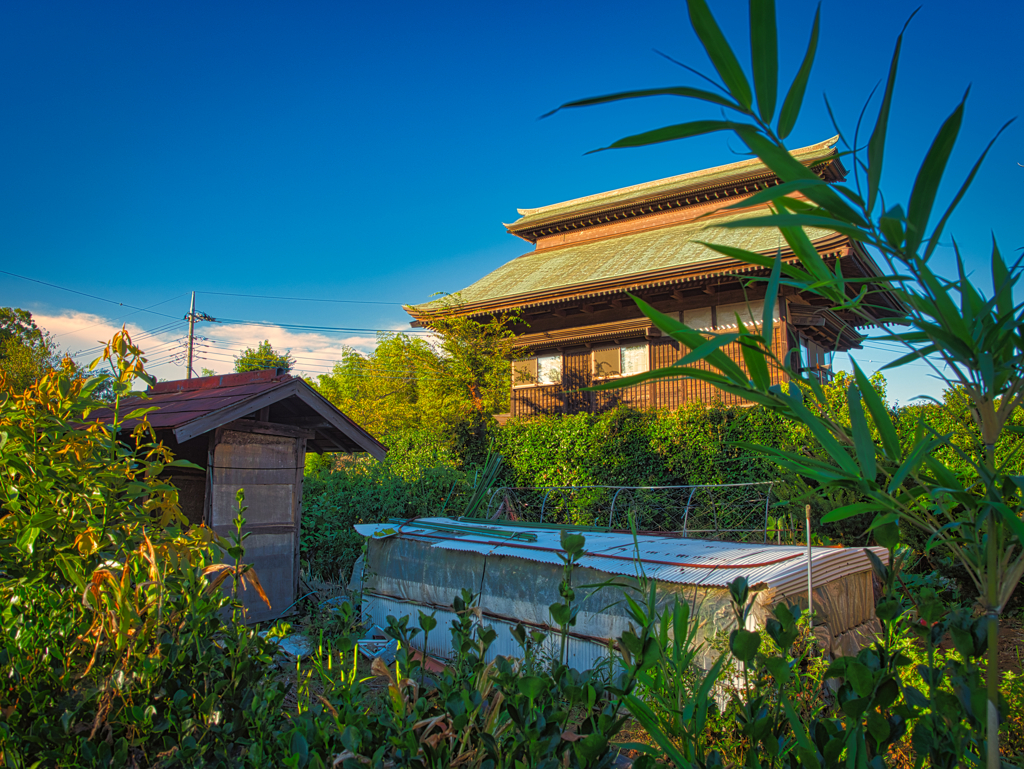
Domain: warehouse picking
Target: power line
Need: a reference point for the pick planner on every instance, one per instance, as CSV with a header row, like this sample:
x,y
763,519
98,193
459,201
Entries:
x,y
300,298
295,327
91,296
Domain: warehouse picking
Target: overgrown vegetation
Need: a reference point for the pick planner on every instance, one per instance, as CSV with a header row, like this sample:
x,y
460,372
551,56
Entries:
x,y
970,341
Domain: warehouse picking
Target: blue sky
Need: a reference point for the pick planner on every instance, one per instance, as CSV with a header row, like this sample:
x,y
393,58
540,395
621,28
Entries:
x,y
370,152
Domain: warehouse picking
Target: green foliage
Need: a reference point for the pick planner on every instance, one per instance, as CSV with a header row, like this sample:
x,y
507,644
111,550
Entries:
x,y
417,478
112,641
27,352
263,357
450,384
970,340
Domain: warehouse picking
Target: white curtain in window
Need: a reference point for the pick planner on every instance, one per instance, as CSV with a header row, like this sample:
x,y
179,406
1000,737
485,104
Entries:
x,y
634,359
549,369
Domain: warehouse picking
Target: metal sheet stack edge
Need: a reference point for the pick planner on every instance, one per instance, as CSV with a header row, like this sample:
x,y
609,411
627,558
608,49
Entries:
x,y
665,559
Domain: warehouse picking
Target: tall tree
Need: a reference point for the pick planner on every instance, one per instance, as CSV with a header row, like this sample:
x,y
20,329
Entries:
x,y
264,356
26,351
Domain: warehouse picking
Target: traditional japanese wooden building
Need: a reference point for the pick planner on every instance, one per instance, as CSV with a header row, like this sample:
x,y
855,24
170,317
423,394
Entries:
x,y
581,328
249,431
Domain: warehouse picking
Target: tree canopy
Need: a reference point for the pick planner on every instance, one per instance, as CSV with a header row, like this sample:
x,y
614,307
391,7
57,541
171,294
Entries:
x,y
264,356
26,351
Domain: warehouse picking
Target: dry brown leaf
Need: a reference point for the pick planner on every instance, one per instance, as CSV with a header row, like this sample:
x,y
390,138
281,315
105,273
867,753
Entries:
x,y
249,575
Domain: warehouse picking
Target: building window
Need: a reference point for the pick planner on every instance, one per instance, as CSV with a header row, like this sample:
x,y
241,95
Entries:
x,y
633,359
625,360
549,369
751,313
537,370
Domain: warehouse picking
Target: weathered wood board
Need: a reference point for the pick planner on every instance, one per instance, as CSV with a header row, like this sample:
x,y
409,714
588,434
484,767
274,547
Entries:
x,y
269,468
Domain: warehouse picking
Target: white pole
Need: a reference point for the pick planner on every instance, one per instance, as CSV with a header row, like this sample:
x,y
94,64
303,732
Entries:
x,y
191,334
810,589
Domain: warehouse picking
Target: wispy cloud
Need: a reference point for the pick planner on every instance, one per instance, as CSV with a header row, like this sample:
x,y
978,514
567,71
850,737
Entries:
x,y
84,334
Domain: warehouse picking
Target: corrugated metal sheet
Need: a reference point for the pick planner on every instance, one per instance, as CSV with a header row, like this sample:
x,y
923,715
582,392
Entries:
x,y
666,559
583,654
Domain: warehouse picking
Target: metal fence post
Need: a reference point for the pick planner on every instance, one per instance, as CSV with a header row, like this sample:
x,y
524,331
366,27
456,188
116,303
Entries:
x,y
686,513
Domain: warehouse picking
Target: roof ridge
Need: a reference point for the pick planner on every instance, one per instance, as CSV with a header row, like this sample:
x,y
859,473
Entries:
x,y
739,165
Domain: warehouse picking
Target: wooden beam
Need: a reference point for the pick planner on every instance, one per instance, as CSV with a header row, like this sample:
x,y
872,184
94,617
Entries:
x,y
268,428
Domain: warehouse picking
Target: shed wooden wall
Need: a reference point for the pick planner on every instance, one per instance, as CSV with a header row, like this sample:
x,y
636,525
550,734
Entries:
x,y
662,393
269,468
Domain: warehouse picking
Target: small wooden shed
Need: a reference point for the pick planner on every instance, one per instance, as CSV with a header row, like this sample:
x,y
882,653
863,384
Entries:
x,y
250,431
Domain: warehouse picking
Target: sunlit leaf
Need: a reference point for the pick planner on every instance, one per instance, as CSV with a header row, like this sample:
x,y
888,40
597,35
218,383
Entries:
x,y
795,97
718,50
764,56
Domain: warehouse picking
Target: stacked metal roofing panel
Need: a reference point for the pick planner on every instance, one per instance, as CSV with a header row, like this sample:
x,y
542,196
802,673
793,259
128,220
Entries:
x,y
663,558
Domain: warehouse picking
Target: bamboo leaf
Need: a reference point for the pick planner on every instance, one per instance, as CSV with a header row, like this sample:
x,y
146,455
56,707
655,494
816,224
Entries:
x,y
778,191
862,442
926,185
795,220
848,511
879,415
771,299
718,50
684,91
764,56
701,352
668,134
876,145
795,96
1002,285
934,240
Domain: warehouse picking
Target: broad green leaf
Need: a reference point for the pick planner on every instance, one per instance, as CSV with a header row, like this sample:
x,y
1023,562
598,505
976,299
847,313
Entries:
x,y
848,511
926,185
722,57
668,134
683,91
911,463
755,360
876,145
764,56
532,686
879,415
744,644
792,221
934,240
699,353
1002,287
795,97
862,441
788,169
771,299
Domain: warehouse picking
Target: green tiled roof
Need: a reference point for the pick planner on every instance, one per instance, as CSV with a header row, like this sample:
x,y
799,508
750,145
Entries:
x,y
694,180
621,256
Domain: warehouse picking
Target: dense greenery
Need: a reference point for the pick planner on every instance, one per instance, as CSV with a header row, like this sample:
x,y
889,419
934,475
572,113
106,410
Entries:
x,y
448,383
261,357
969,339
27,351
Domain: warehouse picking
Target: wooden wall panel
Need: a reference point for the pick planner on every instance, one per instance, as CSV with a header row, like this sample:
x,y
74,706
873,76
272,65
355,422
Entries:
x,y
269,468
660,393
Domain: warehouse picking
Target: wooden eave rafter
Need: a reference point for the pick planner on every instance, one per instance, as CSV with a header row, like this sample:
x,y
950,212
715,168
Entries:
x,y
635,328
829,169
825,327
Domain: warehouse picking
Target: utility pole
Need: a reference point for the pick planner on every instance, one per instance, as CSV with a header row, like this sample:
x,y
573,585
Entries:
x,y
192,317
191,335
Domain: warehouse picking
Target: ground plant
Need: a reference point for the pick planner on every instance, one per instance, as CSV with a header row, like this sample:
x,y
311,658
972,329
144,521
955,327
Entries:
x,y
971,339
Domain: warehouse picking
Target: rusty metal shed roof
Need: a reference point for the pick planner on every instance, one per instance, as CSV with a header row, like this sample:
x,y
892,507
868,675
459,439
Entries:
x,y
192,407
662,558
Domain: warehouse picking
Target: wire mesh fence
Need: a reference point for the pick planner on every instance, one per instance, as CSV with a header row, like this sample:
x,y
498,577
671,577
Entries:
x,y
740,512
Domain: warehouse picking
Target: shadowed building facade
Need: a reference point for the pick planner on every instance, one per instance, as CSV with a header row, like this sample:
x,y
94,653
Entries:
x,y
580,327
